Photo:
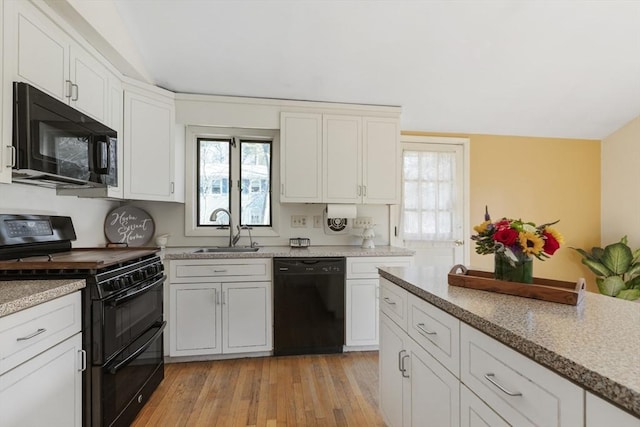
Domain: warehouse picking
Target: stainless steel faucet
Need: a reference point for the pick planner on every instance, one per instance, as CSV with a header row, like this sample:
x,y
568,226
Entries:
x,y
232,239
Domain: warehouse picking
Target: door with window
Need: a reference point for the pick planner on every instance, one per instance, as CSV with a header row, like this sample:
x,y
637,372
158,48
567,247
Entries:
x,y
431,218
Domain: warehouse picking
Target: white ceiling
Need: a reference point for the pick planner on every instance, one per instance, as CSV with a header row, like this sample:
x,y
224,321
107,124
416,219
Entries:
x,y
566,68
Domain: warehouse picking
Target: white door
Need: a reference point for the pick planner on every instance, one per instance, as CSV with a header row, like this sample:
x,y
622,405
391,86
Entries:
x,y
433,217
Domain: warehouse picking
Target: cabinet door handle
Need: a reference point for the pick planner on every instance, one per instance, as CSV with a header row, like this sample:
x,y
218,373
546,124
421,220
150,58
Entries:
x,y
282,189
173,187
13,156
388,301
33,334
404,370
69,87
83,360
490,377
215,293
74,97
364,190
224,298
423,329
400,359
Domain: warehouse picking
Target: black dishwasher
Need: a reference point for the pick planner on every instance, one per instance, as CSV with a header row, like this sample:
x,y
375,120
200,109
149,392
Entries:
x,y
308,305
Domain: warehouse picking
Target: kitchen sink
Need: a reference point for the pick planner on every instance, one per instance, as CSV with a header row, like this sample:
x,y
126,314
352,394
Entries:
x,y
215,249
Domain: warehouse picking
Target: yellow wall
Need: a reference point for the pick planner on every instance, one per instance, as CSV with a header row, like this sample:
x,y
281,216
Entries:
x,y
539,180
620,181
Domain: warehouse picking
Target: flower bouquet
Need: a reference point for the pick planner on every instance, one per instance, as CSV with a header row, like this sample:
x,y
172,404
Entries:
x,y
514,243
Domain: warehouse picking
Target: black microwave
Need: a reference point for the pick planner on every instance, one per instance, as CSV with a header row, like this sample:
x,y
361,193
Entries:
x,y
57,145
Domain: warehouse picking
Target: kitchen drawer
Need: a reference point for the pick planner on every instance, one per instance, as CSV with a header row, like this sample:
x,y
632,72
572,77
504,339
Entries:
x,y
393,302
367,267
29,332
523,392
435,331
219,270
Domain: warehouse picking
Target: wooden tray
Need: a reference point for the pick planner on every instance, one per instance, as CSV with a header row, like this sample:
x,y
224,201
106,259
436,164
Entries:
x,y
542,289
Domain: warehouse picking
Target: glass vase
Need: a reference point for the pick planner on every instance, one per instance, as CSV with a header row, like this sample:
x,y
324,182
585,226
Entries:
x,y
521,272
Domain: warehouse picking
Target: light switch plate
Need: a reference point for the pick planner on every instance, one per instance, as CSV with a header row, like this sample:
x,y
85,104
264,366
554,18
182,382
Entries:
x,y
298,221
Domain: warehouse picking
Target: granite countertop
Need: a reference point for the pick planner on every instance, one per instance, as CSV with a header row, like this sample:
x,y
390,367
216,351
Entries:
x,y
286,251
595,344
16,295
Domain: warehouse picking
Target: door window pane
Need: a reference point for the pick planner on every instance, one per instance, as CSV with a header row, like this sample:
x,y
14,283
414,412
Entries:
x,y
429,195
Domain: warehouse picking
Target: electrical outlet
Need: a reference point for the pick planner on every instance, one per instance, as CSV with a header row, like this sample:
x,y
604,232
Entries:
x,y
298,221
362,222
317,221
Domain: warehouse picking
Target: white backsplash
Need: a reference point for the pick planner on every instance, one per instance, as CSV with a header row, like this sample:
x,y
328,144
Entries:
x,y
87,214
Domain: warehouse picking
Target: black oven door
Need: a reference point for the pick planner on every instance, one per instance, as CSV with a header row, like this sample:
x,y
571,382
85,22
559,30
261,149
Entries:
x,y
125,383
122,318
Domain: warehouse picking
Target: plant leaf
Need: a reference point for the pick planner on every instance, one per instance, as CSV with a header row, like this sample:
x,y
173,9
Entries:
x,y
597,268
633,283
585,254
634,270
617,258
610,286
596,252
629,294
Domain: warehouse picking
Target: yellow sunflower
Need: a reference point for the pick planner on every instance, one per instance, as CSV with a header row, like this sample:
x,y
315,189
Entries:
x,y
481,228
531,243
555,233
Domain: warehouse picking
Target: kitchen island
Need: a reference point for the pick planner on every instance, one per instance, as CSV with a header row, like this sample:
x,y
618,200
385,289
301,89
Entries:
x,y
595,345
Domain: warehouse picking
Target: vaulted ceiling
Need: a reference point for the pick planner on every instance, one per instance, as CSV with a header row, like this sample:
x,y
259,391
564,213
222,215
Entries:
x,y
565,68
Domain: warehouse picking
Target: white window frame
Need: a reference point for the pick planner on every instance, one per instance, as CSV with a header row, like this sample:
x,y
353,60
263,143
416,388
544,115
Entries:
x,y
191,227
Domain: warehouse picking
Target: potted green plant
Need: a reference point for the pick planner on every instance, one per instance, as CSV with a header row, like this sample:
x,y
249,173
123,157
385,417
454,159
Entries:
x,y
617,268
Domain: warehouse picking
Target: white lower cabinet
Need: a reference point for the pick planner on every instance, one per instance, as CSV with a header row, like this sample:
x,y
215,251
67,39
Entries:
x,y
220,307
220,318
46,390
42,364
437,371
362,294
601,413
414,388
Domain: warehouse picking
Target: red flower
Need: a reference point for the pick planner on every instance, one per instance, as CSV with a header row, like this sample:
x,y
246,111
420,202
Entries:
x,y
506,236
503,225
551,245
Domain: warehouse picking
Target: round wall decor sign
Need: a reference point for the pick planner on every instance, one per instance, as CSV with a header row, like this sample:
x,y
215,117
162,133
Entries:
x,y
129,225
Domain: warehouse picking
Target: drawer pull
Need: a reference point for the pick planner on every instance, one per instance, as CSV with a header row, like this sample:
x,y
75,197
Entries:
x,y
388,301
490,377
219,271
34,334
422,328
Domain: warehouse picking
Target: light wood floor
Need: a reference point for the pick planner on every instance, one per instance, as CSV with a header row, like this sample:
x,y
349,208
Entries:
x,y
319,390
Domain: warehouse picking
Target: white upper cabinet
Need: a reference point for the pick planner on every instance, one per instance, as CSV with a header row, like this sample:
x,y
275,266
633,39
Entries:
x,y
301,157
40,53
150,146
6,156
339,158
381,160
362,158
90,84
342,156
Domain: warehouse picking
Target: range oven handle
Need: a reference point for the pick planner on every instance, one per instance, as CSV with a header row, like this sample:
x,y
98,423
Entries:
x,y
117,301
115,368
